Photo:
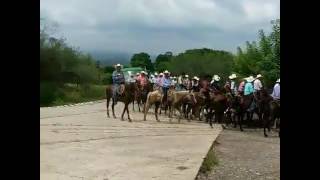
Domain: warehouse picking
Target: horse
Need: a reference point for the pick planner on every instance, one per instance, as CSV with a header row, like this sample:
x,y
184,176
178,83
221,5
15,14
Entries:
x,y
154,97
126,97
270,110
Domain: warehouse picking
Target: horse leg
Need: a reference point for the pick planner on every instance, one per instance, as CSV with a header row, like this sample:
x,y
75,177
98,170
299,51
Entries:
x,y
114,116
157,105
108,100
146,108
124,110
240,118
128,113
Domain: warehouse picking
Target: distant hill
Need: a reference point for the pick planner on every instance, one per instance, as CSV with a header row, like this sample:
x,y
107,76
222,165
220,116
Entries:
x,y
110,58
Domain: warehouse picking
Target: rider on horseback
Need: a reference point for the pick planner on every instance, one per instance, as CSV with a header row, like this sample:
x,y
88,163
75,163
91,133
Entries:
x,y
118,81
276,91
166,83
215,83
248,90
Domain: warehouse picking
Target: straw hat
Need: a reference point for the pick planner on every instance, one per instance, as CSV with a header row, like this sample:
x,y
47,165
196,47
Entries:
x,y
278,81
232,76
250,79
143,72
166,72
161,74
138,74
259,76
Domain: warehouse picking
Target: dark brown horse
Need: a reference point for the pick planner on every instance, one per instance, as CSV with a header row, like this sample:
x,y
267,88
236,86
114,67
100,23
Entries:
x,y
270,110
126,97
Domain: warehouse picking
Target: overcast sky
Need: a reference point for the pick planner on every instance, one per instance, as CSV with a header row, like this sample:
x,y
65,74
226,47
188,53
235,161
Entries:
x,y
157,26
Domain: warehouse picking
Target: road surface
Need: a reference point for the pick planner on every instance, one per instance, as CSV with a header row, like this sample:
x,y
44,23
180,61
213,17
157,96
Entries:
x,y
80,142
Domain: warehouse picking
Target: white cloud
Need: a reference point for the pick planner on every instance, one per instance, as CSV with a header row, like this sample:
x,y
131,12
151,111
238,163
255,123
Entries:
x,y
152,25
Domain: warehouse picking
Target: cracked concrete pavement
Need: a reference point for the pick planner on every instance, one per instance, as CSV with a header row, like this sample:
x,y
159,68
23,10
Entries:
x,y
80,142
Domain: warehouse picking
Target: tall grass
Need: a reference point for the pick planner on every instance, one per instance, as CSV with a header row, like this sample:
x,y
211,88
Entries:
x,y
53,95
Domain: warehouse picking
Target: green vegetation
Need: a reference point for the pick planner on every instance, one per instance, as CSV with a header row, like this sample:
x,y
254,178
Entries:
x,y
61,65
209,162
262,57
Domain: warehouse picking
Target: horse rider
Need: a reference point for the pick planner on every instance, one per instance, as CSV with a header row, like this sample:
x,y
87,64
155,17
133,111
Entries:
x,y
241,87
195,84
233,87
215,83
276,91
166,83
257,85
173,82
248,90
159,81
186,82
118,83
180,82
142,79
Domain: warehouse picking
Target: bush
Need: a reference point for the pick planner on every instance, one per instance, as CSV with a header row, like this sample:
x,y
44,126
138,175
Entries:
x,y
48,92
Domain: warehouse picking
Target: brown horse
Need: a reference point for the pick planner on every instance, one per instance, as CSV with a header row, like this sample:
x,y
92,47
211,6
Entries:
x,y
126,97
270,110
155,98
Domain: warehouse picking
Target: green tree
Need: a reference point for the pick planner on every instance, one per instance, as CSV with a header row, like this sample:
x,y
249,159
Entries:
x,y
162,61
142,60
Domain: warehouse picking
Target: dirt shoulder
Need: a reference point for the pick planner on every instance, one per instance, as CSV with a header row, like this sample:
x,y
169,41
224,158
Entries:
x,y
245,155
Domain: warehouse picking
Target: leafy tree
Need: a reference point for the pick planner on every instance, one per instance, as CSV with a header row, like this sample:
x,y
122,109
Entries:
x,y
142,60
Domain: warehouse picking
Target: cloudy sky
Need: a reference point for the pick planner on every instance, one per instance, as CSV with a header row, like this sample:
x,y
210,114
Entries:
x,y
157,26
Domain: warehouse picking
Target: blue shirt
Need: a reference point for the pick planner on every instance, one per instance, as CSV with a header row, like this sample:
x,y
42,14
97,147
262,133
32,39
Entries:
x,y
166,82
248,88
118,77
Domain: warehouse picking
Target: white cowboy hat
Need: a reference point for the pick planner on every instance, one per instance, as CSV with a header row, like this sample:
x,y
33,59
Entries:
x,y
166,72
186,75
143,72
156,74
161,74
216,78
250,79
259,76
195,78
278,81
138,74
118,65
232,76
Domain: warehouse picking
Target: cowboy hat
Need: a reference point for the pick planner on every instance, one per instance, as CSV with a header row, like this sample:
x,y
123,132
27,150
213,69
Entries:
x,y
195,78
278,81
232,76
259,76
143,72
166,72
216,78
161,74
138,74
156,74
250,79
186,75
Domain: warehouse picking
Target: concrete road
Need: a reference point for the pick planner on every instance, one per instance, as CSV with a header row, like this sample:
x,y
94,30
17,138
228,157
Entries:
x,y
80,142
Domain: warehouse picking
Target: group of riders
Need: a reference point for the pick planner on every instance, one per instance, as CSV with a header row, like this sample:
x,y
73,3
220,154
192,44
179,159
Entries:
x,y
165,81
248,95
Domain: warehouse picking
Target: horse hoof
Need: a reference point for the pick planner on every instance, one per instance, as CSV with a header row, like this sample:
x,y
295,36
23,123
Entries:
x,y
265,135
223,127
130,120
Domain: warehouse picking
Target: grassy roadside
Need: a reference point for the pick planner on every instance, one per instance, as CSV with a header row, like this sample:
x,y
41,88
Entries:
x,y
70,94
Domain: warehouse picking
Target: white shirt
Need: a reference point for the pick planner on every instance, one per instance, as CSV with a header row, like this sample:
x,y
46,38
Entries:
x,y
257,85
232,85
276,91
